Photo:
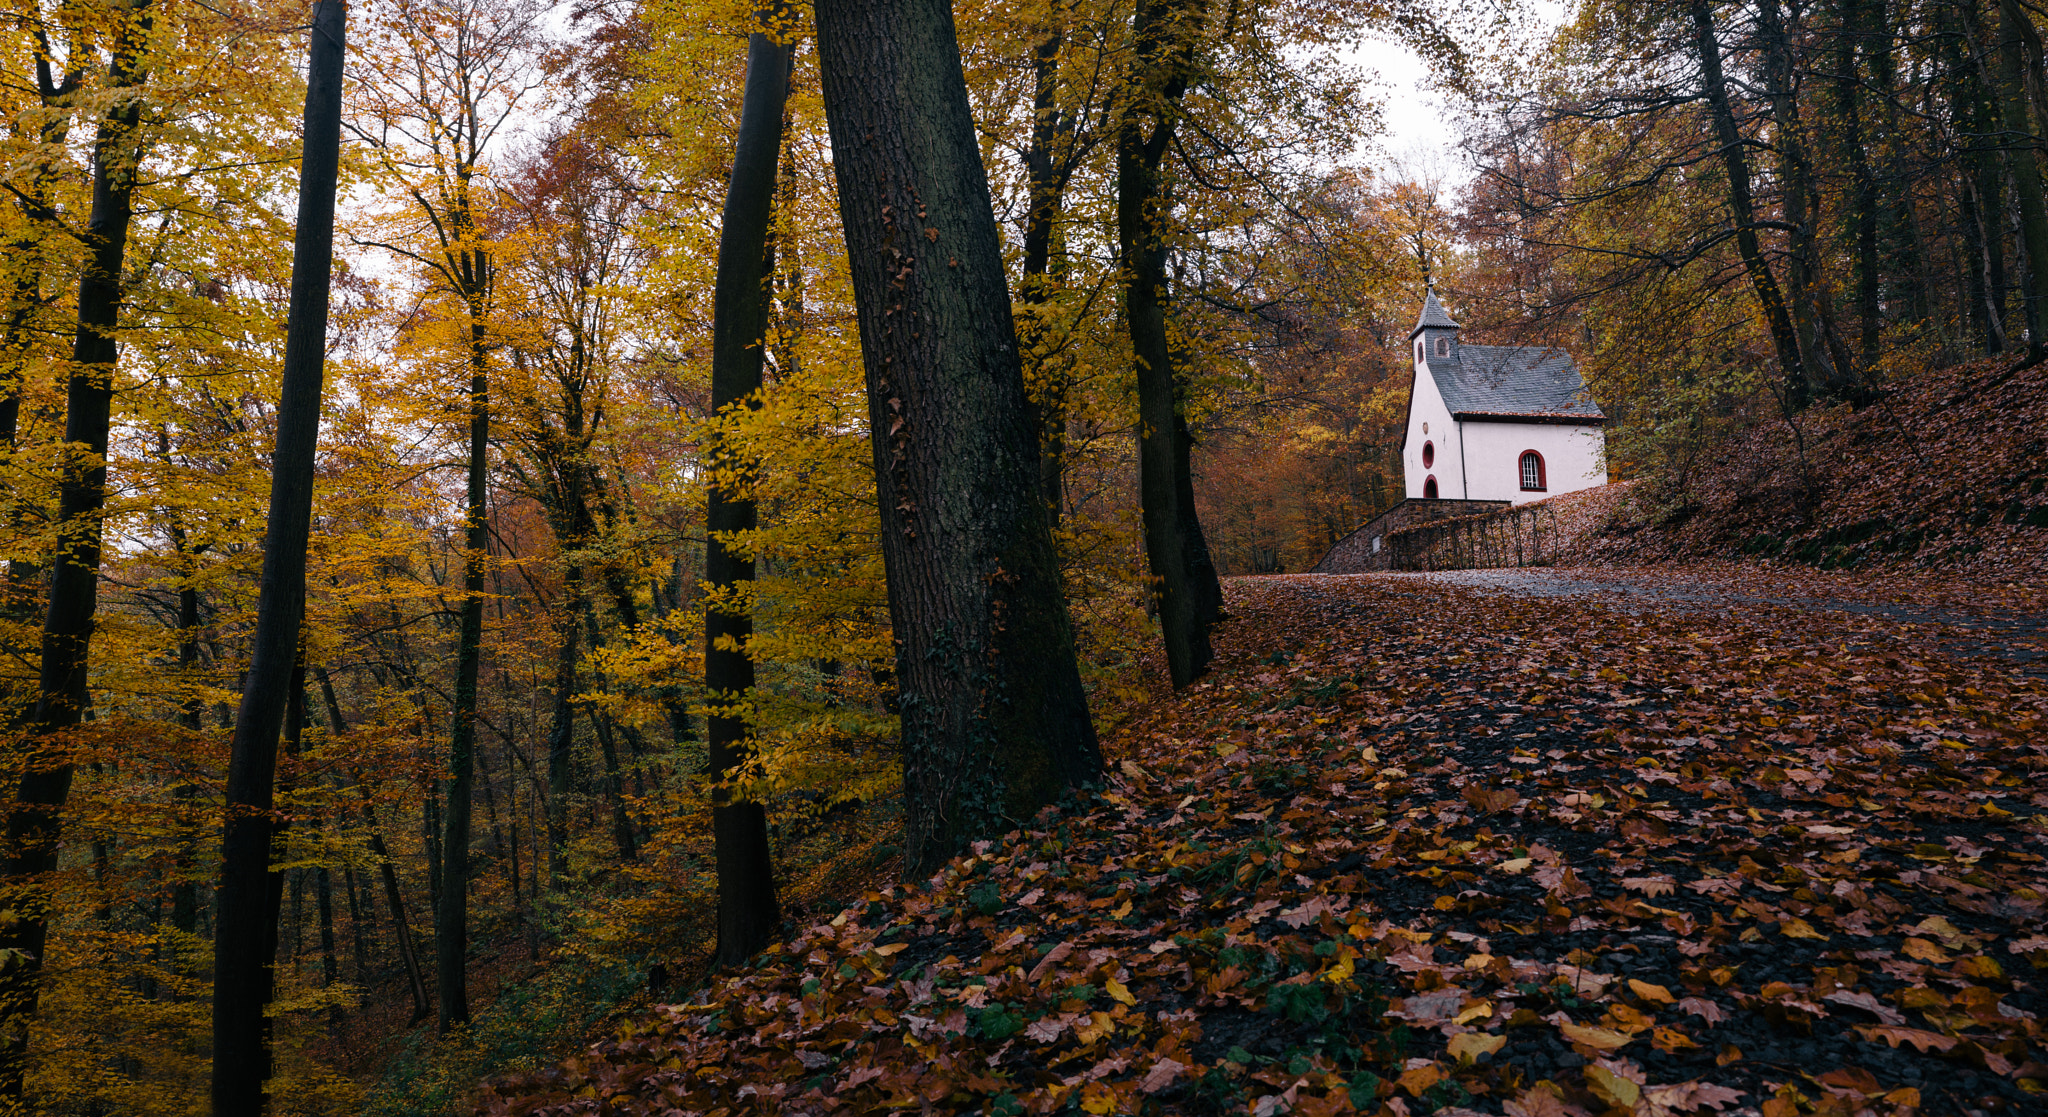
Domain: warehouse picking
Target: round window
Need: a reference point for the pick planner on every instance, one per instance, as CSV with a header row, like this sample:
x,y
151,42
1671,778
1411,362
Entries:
x,y
1428,454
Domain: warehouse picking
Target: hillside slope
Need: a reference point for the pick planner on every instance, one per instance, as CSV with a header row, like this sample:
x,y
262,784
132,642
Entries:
x,y
1947,470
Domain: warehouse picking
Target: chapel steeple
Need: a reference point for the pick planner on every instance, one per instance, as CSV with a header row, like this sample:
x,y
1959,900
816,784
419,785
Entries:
x,y
1435,334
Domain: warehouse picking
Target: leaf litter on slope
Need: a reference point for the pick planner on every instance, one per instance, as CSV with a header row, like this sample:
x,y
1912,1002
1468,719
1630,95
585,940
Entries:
x,y
1413,848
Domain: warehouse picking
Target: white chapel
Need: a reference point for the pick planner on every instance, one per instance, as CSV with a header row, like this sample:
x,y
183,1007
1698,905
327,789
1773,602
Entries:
x,y
1497,422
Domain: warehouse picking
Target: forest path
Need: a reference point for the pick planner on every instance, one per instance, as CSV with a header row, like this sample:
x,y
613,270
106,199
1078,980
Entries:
x,y
1959,619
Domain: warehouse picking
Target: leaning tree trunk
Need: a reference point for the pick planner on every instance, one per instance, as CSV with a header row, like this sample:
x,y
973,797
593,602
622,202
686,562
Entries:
x,y
1189,596
401,928
995,725
244,949
1742,207
747,908
61,696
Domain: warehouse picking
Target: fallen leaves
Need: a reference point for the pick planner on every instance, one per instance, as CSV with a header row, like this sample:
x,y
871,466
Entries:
x,y
1722,845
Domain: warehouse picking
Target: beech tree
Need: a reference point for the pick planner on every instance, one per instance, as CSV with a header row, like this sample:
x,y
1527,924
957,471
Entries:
x,y
747,911
995,724
245,946
62,696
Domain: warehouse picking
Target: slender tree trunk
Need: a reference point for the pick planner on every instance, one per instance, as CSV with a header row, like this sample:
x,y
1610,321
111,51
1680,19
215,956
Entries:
x,y
1046,164
995,724
244,945
451,911
185,886
1188,593
401,926
61,696
1827,365
562,729
2023,156
497,828
19,594
330,963
1743,209
359,915
747,909
1863,200
622,823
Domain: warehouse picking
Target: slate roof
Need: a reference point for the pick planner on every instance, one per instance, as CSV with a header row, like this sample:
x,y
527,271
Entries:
x,y
1434,317
1511,380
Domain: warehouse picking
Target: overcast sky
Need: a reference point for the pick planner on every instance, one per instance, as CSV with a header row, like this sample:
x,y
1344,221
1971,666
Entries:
x,y
1420,131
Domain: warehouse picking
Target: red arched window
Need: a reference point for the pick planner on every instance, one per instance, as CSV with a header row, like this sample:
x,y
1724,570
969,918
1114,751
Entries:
x,y
1429,488
1533,480
1428,454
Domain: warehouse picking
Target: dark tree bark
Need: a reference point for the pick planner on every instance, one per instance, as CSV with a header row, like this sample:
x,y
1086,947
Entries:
x,y
1741,205
244,944
401,926
562,729
1189,593
25,259
747,909
995,725
2023,157
615,788
1982,191
1826,364
1862,211
472,266
61,697
1049,164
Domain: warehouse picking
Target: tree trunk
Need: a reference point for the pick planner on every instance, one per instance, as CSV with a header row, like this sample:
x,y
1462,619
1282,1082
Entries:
x,y
1827,365
1743,209
562,730
244,974
61,696
401,926
20,593
451,916
995,725
747,909
1046,164
622,823
1862,193
2023,156
1188,593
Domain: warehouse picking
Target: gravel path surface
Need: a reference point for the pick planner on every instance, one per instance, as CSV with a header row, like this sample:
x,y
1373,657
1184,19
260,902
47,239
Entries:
x,y
1965,633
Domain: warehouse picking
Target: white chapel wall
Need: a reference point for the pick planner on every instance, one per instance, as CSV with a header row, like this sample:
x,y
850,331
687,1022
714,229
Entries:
x,y
1574,457
1427,407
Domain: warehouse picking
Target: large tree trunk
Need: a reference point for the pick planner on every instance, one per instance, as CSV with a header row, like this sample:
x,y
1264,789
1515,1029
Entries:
x,y
245,941
747,908
995,724
1784,339
61,697
1189,594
